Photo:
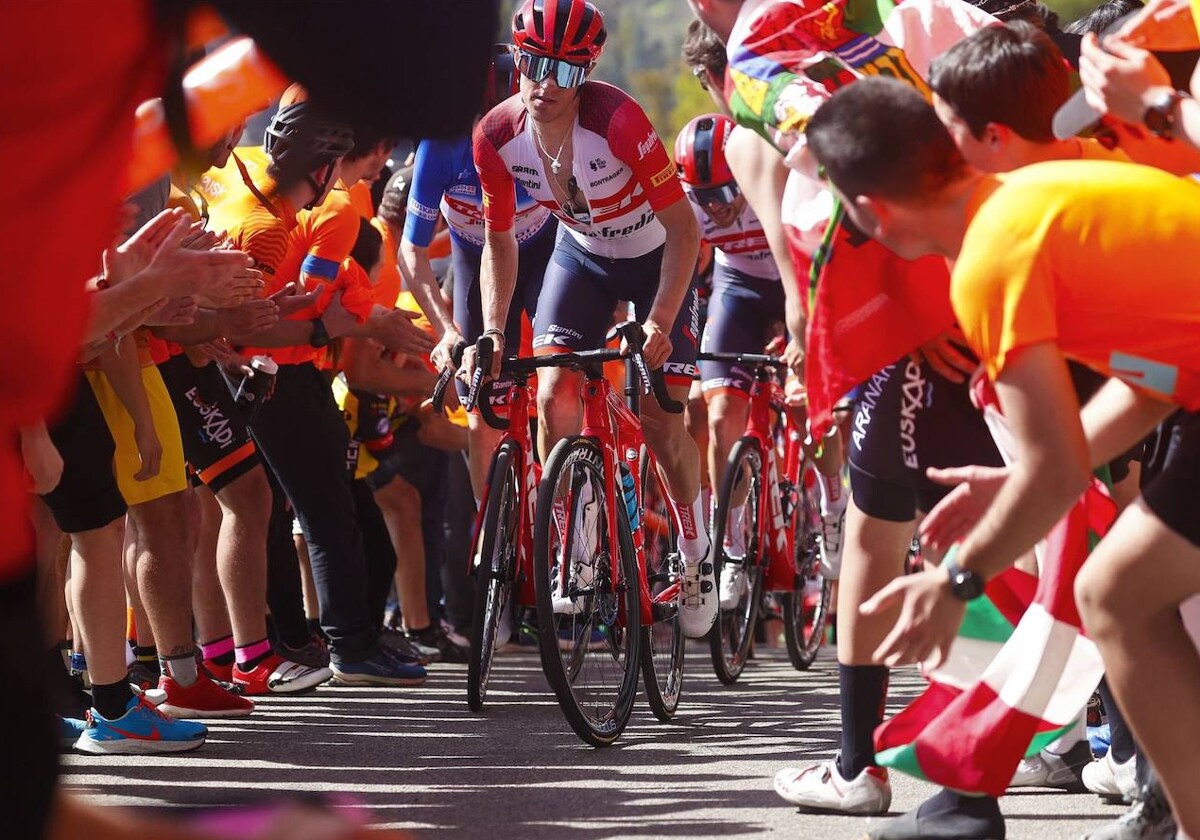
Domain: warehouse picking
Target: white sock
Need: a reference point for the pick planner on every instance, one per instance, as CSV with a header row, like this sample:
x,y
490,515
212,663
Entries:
x,y
706,498
834,497
737,537
693,536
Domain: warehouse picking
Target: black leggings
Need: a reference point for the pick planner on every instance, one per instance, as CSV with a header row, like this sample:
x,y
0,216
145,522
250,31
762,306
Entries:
x,y
300,432
285,592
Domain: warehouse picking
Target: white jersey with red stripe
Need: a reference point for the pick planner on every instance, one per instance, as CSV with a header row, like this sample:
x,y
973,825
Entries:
x,y
619,165
742,245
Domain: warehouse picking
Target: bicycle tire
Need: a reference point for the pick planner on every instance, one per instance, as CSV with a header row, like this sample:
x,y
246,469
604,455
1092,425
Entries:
x,y
731,638
663,644
806,607
589,627
495,574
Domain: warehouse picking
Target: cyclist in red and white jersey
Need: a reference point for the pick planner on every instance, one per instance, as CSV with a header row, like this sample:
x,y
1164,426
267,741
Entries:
x,y
586,151
746,305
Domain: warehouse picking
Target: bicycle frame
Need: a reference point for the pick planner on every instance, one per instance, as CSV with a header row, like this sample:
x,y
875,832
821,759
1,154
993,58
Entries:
x,y
618,431
779,540
530,471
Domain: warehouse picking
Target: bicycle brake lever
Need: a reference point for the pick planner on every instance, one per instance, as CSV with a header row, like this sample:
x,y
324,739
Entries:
x,y
446,376
483,363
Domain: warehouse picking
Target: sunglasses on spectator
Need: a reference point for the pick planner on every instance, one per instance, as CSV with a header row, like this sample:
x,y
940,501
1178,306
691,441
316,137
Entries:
x,y
704,196
537,68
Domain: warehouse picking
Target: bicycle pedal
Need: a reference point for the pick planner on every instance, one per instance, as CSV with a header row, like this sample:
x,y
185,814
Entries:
x,y
663,612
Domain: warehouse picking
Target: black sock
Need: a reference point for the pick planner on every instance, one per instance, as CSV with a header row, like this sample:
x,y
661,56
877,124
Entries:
x,y
148,656
1121,743
112,699
863,692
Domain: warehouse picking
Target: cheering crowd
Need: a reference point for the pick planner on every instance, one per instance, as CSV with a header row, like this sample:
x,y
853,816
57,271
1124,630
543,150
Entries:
x,y
248,492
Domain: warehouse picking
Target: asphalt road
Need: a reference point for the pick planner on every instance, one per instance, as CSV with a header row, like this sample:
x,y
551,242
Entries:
x,y
420,760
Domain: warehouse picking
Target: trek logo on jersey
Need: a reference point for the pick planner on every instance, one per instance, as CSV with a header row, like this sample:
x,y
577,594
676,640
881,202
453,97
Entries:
x,y
216,424
682,369
666,174
647,146
596,164
913,391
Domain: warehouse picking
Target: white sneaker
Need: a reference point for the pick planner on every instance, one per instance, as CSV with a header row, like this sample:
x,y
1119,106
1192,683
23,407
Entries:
x,y
831,545
1047,769
1109,778
822,788
733,585
697,597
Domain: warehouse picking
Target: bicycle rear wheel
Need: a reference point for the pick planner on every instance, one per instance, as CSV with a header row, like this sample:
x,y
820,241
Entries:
x,y
589,626
499,540
806,607
662,641
735,538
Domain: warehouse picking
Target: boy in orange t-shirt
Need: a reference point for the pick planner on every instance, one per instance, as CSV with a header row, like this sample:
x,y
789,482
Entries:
x,y
1045,260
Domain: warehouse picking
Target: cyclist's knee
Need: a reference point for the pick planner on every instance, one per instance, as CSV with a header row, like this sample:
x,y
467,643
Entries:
x,y
558,398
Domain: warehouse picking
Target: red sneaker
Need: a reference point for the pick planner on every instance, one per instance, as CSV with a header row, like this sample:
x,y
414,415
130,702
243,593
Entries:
x,y
276,675
222,673
202,699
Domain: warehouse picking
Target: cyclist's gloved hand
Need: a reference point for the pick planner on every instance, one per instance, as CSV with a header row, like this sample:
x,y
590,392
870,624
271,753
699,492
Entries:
x,y
470,360
657,348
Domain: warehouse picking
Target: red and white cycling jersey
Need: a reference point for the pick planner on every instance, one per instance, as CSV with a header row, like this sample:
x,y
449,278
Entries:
x,y
619,165
742,245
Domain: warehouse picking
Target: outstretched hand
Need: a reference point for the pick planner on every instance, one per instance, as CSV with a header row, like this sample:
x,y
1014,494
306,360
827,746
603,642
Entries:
x,y
955,516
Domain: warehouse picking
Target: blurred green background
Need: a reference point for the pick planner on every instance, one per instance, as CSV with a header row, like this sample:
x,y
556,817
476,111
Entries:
x,y
642,55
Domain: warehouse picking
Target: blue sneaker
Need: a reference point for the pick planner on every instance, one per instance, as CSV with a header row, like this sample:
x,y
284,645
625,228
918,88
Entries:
x,y
142,729
69,730
380,669
568,633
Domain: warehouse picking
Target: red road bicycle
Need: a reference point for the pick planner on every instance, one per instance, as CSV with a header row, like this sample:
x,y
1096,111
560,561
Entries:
x,y
502,536
767,525
604,565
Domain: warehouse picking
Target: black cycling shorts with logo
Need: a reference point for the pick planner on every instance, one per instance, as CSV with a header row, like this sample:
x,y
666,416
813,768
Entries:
x,y
216,441
908,418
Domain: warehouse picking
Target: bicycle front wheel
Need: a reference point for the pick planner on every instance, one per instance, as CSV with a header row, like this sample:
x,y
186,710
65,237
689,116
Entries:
x,y
806,607
736,541
589,626
662,641
497,558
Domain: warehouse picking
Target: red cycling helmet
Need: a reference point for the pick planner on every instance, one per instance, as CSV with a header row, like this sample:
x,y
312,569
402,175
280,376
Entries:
x,y
503,80
700,151
567,30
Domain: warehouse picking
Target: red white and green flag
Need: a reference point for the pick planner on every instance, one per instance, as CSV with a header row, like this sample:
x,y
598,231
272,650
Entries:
x,y
1018,675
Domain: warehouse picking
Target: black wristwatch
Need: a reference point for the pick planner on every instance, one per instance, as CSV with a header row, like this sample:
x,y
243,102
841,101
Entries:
x,y
1160,115
966,586
320,335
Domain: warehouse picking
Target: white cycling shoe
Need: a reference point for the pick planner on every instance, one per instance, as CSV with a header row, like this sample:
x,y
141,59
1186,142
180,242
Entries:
x,y
734,585
822,788
1107,777
698,597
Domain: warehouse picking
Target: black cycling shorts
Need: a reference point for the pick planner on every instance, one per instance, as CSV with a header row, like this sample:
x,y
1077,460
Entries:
x,y
741,313
1171,478
533,258
216,442
87,496
580,293
908,418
